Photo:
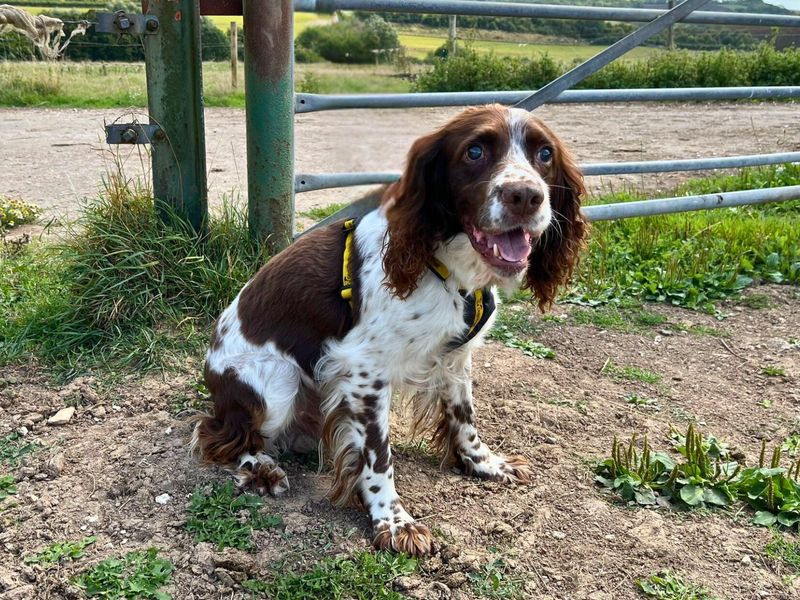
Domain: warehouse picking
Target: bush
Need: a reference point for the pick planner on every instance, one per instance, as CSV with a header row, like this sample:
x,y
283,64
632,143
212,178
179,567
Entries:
x,y
473,71
351,40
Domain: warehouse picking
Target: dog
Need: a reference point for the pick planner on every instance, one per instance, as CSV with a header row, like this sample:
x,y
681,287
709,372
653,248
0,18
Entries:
x,y
316,344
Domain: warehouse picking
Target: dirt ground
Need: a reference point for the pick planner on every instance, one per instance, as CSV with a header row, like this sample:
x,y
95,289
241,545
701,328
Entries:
x,y
564,538
55,158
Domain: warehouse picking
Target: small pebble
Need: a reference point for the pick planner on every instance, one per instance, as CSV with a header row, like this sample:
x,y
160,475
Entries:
x,y
163,499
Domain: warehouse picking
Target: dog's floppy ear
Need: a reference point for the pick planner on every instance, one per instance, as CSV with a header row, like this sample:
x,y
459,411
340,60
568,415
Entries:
x,y
556,254
418,209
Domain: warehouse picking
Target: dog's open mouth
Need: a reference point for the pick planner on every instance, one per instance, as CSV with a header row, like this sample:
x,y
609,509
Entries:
x,y
507,251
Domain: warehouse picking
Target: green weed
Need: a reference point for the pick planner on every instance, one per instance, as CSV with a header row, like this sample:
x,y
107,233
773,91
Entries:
x,y
13,449
617,318
365,576
494,581
58,551
644,477
136,575
773,371
630,373
772,490
667,586
322,212
791,445
227,520
784,550
7,488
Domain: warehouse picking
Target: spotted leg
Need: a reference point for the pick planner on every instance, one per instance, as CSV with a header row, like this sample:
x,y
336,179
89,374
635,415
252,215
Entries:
x,y
357,432
457,434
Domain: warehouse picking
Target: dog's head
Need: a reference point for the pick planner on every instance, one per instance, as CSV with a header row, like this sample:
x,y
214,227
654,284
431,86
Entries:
x,y
504,179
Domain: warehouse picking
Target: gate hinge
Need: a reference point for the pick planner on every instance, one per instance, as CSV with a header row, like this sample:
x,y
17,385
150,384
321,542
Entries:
x,y
133,133
122,22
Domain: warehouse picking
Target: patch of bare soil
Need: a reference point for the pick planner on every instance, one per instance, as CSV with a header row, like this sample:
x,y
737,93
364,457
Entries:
x,y
56,157
561,536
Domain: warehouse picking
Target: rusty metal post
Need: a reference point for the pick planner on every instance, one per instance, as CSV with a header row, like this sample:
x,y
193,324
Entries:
x,y
175,101
269,100
234,55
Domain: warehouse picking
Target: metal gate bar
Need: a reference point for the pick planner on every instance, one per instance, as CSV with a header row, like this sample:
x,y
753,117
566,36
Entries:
x,y
305,103
306,182
541,11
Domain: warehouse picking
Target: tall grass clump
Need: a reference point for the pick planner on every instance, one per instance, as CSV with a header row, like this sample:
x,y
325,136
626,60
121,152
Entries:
x,y
473,71
130,284
695,259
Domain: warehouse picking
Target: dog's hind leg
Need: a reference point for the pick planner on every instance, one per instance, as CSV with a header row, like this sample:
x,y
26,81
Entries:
x,y
253,405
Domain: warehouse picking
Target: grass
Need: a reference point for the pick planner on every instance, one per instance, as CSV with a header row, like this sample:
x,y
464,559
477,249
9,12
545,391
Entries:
x,y
513,327
225,519
125,288
13,449
60,551
630,373
696,259
494,581
364,576
668,586
122,85
757,301
773,371
135,575
618,318
419,46
784,551
640,401
322,212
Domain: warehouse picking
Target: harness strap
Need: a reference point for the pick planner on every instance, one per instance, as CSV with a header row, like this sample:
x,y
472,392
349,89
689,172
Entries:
x,y
478,306
347,277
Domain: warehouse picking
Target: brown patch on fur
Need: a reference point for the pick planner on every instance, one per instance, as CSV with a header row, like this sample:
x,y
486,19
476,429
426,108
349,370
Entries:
x,y
427,205
556,254
348,462
233,429
309,273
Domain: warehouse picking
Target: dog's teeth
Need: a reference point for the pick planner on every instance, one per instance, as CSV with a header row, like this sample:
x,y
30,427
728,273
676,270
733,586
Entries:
x,y
496,251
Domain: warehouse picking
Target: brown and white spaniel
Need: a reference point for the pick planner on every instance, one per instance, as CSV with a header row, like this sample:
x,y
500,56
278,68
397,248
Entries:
x,y
316,344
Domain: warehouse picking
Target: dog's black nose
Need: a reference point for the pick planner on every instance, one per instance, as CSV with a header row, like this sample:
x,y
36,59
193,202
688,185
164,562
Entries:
x,y
521,197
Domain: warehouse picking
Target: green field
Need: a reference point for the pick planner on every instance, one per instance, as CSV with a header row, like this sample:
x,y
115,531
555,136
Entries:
x,y
419,46
102,85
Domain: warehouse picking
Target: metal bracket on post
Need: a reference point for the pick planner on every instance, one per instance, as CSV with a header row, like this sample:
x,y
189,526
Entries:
x,y
133,133
121,22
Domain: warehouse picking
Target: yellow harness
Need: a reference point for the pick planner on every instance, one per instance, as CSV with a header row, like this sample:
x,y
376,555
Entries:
x,y
478,306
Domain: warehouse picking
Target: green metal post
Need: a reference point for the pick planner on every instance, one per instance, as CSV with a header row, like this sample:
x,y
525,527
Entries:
x,y
175,100
269,99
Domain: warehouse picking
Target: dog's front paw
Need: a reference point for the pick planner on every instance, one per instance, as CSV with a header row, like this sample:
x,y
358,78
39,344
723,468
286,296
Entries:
x,y
496,467
413,538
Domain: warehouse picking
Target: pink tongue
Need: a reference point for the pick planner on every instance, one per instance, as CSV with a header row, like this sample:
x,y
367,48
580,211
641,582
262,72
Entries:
x,y
514,245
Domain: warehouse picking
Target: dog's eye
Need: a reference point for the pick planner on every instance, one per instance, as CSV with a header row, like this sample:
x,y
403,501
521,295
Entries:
x,y
474,152
545,154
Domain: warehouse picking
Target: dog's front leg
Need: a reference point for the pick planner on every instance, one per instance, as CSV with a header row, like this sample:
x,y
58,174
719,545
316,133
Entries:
x,y
357,432
457,433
